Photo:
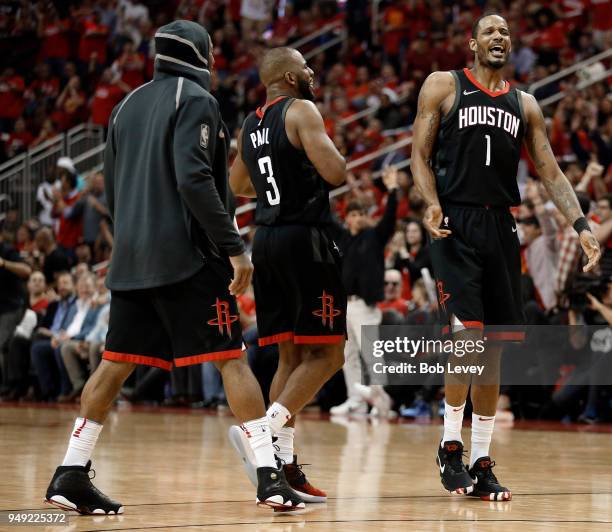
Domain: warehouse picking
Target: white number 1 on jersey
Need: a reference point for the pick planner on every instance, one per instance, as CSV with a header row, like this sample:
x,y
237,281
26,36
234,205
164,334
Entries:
x,y
265,167
488,160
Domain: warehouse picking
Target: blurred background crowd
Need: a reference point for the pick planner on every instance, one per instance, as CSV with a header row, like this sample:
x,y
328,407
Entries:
x,y
66,63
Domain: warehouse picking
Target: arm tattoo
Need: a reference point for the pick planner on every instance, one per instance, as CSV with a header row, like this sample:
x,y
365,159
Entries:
x,y
432,130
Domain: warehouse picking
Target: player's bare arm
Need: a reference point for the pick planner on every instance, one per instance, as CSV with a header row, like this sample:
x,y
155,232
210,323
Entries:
x,y
558,186
435,97
240,180
306,131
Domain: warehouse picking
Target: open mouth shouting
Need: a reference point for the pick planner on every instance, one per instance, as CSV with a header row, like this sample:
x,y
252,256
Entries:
x,y
498,51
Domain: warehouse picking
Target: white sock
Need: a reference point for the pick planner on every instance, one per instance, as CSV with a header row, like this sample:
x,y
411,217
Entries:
x,y
284,444
277,415
82,442
482,430
453,419
260,438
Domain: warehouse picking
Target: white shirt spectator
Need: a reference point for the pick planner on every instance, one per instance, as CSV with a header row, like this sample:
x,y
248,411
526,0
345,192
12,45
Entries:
x,y
83,306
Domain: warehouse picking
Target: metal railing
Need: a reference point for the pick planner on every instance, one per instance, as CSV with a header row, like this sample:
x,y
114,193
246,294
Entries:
x,y
581,85
21,175
316,34
569,70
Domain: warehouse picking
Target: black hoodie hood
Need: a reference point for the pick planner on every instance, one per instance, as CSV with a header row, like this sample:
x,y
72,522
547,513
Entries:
x,y
182,49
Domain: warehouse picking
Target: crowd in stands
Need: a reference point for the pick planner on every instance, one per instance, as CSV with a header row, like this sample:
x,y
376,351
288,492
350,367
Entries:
x,y
72,62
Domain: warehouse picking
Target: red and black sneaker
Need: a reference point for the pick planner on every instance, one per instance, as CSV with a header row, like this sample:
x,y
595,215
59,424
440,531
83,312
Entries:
x,y
299,483
486,485
453,473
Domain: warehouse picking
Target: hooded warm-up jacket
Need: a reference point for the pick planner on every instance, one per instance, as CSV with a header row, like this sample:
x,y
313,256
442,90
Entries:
x,y
166,169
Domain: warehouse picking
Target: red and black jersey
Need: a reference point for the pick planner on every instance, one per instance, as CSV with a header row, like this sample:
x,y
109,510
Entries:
x,y
478,147
289,189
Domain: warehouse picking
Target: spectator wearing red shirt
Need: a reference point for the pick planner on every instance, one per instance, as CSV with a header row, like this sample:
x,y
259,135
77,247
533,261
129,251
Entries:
x,y
37,290
130,66
48,130
417,62
451,55
12,87
94,36
394,26
70,229
284,27
393,294
70,105
108,94
53,32
19,139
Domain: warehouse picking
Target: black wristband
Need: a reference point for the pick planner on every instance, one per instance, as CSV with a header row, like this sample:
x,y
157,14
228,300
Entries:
x,y
581,224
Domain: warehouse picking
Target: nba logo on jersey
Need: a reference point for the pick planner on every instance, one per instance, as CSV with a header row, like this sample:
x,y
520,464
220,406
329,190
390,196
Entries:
x,y
204,134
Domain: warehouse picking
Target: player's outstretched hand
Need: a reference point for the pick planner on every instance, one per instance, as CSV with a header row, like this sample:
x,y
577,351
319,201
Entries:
x,y
591,249
243,271
432,220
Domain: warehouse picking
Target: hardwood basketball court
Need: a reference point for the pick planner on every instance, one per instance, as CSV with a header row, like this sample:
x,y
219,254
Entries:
x,y
175,470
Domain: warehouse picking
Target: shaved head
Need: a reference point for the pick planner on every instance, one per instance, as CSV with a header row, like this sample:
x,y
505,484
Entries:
x,y
285,69
276,62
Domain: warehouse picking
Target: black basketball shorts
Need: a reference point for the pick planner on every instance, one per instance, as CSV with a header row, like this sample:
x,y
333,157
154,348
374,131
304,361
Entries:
x,y
189,322
478,267
298,286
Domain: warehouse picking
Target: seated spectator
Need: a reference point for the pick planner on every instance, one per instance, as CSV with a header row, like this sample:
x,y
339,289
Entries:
x,y
75,345
19,140
48,256
393,294
415,256
37,293
18,357
47,131
46,358
24,243
421,307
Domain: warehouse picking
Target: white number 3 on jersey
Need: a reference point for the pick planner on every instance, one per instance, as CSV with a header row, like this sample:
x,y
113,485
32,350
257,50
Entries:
x,y
265,167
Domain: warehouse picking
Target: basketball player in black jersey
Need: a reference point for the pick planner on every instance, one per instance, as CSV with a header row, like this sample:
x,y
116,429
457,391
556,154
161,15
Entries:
x,y
286,160
467,140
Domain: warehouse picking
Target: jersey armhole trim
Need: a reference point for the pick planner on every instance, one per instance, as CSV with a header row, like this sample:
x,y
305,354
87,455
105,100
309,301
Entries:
x,y
284,110
519,99
455,106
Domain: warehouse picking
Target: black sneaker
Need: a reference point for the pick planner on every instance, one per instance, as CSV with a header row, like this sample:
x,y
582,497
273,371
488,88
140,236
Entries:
x,y
486,485
453,473
71,489
274,491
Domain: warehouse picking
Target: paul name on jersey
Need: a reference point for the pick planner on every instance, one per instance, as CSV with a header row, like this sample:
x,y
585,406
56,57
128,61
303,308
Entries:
x,y
489,116
260,137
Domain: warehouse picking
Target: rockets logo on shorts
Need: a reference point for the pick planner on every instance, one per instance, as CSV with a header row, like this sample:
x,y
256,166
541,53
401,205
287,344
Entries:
x,y
204,135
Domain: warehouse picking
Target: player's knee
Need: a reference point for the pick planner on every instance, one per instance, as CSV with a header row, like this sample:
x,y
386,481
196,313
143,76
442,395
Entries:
x,y
289,355
333,355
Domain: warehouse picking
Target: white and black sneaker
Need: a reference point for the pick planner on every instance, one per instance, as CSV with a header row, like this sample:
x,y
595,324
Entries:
x,y
274,491
241,444
71,489
453,473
